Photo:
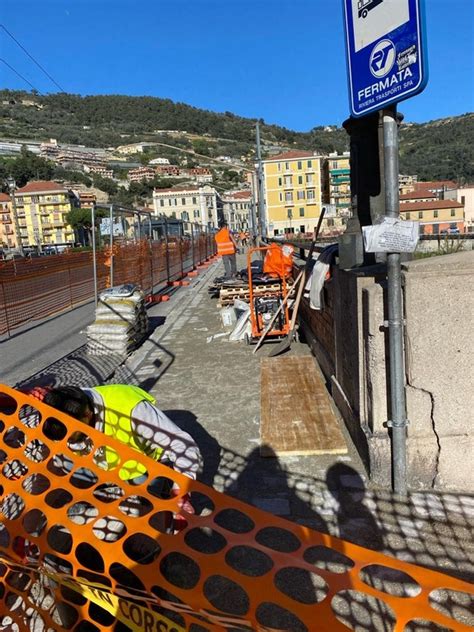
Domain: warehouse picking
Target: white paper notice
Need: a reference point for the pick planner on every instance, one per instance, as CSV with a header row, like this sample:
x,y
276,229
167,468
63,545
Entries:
x,y
391,235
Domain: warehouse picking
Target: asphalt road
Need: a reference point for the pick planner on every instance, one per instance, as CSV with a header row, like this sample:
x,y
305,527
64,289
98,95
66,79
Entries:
x,y
35,347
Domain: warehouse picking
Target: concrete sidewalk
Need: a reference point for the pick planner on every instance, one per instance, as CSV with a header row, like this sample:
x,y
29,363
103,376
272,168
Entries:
x,y
211,388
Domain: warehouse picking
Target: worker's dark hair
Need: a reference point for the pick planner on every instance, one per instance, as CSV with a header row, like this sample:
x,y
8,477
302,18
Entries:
x,y
70,400
222,223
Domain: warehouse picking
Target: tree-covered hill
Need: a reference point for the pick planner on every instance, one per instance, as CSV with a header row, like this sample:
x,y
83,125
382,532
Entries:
x,y
438,149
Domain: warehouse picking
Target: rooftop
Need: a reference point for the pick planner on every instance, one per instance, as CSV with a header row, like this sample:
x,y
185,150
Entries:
x,y
41,186
291,155
435,204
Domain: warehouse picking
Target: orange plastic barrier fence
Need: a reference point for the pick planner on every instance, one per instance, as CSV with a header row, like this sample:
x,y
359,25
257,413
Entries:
x,y
81,549
31,289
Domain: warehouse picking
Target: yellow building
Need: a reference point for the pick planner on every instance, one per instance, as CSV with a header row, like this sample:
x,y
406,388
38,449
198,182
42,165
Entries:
x,y
41,209
7,224
437,217
294,192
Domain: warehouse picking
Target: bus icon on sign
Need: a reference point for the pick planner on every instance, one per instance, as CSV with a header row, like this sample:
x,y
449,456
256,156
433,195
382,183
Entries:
x,y
364,6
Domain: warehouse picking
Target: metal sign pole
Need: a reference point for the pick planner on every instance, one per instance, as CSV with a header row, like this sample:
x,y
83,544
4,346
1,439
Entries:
x,y
398,421
94,262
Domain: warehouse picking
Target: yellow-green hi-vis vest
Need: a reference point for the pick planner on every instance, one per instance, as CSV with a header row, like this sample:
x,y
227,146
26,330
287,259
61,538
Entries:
x,y
119,401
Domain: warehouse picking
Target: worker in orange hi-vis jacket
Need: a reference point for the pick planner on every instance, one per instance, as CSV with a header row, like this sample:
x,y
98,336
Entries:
x,y
227,247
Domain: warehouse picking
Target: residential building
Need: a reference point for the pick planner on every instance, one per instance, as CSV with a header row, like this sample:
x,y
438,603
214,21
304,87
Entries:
x,y
406,182
103,172
464,195
237,206
142,173
435,216
198,174
42,207
189,203
418,196
159,161
8,237
432,186
168,171
339,175
294,191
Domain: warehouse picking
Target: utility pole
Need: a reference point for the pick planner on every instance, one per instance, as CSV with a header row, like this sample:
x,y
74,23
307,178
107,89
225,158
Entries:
x,y
12,188
261,193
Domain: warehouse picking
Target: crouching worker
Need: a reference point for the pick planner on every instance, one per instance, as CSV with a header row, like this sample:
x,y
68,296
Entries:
x,y
129,414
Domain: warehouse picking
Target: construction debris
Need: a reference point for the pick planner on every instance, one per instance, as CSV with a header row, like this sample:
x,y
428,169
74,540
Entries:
x,y
121,322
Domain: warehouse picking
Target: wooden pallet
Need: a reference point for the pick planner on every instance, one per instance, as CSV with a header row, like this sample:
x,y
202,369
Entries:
x,y
227,295
296,413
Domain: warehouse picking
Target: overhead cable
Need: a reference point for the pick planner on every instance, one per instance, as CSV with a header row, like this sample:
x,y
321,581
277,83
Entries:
x,y
32,58
21,76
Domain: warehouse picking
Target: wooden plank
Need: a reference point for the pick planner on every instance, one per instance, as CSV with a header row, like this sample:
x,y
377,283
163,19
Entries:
x,y
296,413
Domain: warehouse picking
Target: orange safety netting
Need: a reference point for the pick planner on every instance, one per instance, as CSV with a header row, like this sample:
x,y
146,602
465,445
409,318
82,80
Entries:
x,y
81,549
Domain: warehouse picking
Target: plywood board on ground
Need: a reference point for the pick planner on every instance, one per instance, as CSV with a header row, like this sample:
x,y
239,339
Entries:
x,y
296,413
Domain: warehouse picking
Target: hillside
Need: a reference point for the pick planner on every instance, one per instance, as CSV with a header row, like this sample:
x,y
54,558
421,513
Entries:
x,y
438,149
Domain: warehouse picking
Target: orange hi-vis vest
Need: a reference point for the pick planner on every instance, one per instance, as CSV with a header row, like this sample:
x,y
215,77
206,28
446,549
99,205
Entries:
x,y
278,260
225,246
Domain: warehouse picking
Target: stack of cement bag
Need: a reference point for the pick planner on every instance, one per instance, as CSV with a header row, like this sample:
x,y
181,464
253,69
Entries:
x,y
121,322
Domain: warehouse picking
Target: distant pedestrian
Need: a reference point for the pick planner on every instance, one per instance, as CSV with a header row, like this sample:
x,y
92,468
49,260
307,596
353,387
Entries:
x,y
227,248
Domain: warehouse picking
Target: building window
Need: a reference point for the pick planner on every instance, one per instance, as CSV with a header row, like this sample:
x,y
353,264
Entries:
x,y
407,216
196,213
275,231
309,178
185,216
300,179
334,164
301,212
420,214
287,165
162,202
289,196
183,201
463,199
310,194
280,182
169,202
300,164
302,228
435,213
288,181
281,197
453,212
279,166
194,200
310,164
300,195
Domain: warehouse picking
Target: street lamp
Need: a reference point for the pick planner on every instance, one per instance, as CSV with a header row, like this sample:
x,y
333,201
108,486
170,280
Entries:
x,y
12,188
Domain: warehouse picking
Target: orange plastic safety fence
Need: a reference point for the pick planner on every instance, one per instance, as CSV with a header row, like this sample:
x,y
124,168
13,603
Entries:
x,y
36,288
223,564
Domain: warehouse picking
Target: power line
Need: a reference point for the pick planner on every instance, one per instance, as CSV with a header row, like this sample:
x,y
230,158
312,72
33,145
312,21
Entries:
x,y
21,76
32,58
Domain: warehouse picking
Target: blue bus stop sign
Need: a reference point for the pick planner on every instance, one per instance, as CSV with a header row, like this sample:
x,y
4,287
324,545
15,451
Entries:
x,y
386,57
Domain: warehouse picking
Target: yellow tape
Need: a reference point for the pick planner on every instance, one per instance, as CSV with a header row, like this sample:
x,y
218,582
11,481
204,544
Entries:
x,y
136,617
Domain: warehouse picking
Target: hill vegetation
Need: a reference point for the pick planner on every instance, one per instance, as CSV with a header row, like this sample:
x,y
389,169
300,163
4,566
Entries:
x,y
436,150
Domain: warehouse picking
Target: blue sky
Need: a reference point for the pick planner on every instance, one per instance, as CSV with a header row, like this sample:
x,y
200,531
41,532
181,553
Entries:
x,y
281,60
